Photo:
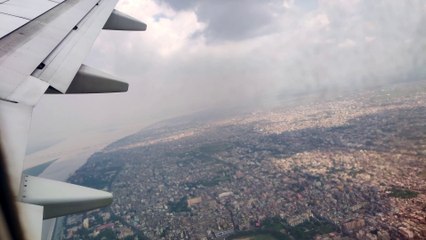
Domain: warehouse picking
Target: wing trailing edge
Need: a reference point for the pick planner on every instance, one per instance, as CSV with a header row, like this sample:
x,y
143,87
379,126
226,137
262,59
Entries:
x,y
45,51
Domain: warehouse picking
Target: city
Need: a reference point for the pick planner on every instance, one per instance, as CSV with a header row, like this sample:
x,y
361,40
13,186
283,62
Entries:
x,y
349,167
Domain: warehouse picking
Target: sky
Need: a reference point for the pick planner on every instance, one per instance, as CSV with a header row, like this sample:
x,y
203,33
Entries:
x,y
198,55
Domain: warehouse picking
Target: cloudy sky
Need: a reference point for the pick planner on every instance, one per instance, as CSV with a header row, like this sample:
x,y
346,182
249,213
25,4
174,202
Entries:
x,y
201,54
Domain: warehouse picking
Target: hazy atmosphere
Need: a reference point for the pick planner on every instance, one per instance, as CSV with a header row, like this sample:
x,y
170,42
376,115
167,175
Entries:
x,y
197,55
244,120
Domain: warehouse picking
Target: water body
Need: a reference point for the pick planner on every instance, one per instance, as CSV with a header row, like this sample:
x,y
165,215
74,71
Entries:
x,y
37,170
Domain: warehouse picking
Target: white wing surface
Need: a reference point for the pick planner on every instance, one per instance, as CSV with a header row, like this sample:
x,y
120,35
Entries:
x,y
42,46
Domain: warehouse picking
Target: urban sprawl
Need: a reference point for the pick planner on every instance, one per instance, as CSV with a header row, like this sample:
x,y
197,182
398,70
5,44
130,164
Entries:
x,y
348,167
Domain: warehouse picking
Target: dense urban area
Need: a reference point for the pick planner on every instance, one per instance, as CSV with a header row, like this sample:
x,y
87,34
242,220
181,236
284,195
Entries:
x,y
316,167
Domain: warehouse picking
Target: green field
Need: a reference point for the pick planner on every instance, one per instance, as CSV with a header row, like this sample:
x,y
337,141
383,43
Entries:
x,y
402,193
277,228
213,148
179,206
258,237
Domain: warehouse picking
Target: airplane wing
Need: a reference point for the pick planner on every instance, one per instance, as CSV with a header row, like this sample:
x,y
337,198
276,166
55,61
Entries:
x,y
42,46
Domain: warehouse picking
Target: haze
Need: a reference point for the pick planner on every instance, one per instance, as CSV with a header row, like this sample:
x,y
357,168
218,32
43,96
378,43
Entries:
x,y
199,55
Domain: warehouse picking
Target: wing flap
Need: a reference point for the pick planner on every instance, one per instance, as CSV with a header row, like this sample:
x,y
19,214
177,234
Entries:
x,y
27,9
65,61
30,91
43,43
22,51
13,23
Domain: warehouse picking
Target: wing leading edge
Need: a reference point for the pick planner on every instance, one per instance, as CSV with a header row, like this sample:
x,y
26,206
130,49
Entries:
x,y
42,47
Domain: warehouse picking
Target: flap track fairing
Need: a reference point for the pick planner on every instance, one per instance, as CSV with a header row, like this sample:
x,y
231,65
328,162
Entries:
x,y
120,21
60,198
91,80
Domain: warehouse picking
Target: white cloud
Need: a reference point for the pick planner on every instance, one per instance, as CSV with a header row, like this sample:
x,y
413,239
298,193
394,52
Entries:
x,y
342,5
347,43
369,38
174,69
288,4
317,21
169,30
